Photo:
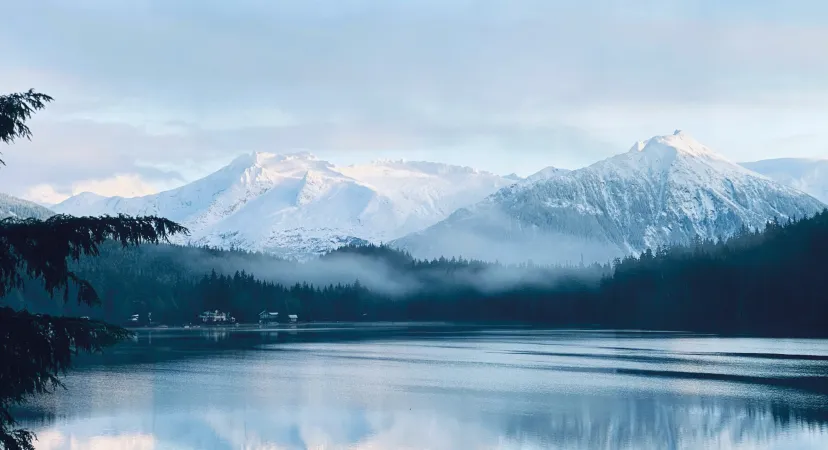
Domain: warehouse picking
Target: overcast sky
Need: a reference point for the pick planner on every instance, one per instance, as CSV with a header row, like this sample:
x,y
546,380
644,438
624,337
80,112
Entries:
x,y
150,94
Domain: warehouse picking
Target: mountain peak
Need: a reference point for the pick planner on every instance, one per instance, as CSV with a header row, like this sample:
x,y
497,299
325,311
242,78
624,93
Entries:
x,y
677,143
263,158
88,195
669,189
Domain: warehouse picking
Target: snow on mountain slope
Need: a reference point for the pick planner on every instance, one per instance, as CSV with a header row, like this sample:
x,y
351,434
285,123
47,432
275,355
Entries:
x,y
807,175
543,174
296,205
668,189
22,209
546,173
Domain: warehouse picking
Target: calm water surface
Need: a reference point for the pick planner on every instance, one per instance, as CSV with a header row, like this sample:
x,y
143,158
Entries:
x,y
440,387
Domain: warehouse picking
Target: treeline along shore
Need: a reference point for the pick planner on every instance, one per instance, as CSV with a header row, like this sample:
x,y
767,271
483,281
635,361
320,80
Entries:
x,y
758,282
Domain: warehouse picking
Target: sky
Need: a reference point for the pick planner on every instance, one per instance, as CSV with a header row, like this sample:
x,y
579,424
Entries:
x,y
151,94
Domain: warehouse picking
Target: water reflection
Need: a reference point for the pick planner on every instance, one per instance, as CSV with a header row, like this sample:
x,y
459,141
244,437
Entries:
x,y
473,390
634,424
215,334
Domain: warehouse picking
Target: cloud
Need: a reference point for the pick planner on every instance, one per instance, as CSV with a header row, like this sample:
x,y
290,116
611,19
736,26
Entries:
x,y
67,153
328,57
55,440
122,185
45,194
181,83
130,185
63,154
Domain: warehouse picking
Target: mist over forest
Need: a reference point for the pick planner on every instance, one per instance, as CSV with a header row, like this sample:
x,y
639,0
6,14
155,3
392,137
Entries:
x,y
738,285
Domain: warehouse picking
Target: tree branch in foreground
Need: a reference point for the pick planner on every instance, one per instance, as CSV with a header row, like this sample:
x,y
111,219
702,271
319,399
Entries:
x,y
43,248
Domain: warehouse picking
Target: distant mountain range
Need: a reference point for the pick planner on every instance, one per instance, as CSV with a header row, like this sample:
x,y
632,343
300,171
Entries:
x,y
664,190
668,189
297,205
807,175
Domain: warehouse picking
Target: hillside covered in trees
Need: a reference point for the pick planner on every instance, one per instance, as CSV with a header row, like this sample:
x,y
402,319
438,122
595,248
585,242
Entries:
x,y
768,282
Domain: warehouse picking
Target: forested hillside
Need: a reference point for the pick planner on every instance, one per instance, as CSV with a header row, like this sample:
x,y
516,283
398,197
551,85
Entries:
x,y
765,282
19,208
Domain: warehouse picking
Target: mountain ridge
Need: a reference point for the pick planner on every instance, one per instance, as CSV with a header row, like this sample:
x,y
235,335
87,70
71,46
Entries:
x,y
297,205
809,175
667,189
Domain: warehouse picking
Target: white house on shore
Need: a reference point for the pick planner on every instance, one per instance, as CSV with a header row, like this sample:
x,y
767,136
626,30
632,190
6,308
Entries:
x,y
216,317
293,318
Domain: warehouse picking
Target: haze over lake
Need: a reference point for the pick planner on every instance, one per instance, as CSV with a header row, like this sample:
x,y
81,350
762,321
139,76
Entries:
x,y
440,387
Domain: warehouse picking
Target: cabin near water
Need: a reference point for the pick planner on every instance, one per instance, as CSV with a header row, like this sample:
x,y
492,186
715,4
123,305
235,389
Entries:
x,y
269,317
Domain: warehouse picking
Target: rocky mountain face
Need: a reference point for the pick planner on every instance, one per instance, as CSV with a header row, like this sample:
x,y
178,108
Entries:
x,y
668,189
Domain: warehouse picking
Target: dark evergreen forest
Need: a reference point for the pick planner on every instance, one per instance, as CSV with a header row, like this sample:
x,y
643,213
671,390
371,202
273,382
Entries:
x,y
769,282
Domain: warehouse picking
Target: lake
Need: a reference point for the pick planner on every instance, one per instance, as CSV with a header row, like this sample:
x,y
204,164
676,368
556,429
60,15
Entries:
x,y
436,386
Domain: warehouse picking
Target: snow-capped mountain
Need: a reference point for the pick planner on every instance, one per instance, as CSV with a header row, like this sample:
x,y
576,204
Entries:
x,y
296,205
807,175
22,209
668,189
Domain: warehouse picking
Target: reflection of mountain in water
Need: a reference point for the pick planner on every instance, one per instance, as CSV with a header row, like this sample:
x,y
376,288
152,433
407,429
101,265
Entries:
x,y
657,423
443,389
668,423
